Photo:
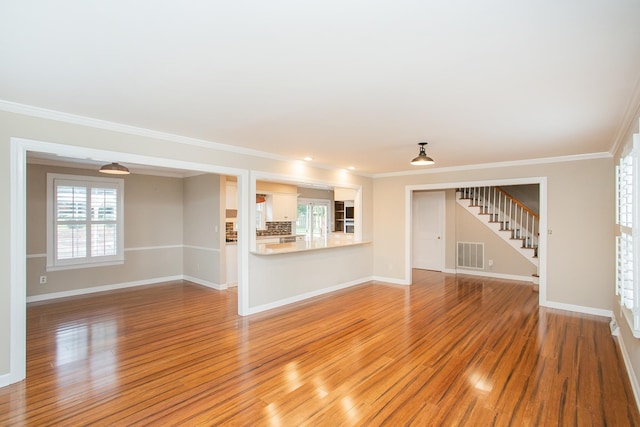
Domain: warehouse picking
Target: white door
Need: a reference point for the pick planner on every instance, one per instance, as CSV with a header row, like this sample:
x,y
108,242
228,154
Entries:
x,y
428,230
312,219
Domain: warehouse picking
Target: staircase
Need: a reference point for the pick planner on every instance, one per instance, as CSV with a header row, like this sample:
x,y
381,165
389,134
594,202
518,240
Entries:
x,y
516,224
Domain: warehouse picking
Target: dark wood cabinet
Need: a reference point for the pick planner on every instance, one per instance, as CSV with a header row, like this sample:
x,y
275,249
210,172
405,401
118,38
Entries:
x,y
338,216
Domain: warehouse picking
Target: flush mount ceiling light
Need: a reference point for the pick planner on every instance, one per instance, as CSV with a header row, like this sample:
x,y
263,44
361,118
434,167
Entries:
x,y
422,159
115,169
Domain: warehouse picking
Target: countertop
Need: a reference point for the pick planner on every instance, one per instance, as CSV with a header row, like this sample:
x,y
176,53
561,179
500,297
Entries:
x,y
277,236
305,245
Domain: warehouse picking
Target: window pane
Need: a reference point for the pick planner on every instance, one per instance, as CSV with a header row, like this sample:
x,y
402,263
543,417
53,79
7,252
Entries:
x,y
71,241
104,204
103,239
320,220
71,203
302,221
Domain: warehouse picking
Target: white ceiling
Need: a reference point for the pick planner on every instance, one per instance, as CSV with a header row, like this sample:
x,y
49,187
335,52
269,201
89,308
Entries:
x,y
347,82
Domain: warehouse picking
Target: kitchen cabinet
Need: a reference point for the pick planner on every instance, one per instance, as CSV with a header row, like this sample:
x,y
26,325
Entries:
x,y
267,240
282,207
231,195
338,213
344,220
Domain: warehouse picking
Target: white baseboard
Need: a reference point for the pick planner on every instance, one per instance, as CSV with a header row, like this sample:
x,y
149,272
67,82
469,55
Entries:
x,y
206,283
579,309
301,297
391,280
494,275
458,271
633,379
115,286
6,379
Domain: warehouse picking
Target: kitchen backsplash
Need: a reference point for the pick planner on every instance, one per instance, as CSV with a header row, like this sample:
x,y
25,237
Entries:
x,y
276,229
273,229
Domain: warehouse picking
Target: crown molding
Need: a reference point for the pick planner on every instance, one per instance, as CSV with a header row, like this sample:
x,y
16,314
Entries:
x,y
13,107
632,113
43,113
540,161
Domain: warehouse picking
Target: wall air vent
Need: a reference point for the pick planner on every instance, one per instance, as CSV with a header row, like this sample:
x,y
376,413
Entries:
x,y
471,255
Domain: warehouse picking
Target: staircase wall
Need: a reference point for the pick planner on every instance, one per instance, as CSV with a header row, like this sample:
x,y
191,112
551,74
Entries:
x,y
462,226
506,260
527,194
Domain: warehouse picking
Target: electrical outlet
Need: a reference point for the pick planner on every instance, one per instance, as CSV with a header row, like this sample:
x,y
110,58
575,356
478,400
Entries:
x,y
490,263
43,280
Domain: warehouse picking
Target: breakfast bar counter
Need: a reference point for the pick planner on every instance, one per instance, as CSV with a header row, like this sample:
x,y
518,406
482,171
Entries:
x,y
304,245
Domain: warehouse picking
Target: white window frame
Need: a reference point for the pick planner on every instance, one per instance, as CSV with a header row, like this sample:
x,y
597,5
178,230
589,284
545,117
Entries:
x,y
89,182
628,238
316,202
261,215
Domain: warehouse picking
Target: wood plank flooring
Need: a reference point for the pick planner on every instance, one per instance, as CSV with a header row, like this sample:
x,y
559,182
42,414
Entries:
x,y
449,350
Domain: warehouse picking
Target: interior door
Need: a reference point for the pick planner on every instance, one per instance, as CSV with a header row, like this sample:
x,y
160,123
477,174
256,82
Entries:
x,y
428,217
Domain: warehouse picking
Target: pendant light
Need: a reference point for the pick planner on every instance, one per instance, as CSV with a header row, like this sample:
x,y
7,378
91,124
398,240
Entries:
x,y
422,159
115,169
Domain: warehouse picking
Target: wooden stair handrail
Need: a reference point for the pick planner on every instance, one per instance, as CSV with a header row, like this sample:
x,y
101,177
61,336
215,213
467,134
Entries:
x,y
518,203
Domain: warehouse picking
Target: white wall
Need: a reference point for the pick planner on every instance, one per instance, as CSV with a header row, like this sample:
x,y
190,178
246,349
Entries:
x,y
202,230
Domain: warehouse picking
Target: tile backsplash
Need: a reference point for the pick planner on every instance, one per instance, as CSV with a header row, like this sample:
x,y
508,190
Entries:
x,y
273,229
276,229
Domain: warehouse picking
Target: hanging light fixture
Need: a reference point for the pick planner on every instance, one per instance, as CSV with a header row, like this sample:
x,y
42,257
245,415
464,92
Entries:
x,y
422,159
115,169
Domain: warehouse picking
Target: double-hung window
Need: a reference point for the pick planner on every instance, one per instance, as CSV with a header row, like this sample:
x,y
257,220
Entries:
x,y
628,238
84,221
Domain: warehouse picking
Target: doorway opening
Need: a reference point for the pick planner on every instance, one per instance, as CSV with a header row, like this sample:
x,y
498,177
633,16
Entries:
x,y
412,190
19,149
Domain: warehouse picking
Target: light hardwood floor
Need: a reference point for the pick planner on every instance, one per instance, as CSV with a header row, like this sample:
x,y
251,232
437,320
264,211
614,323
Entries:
x,y
449,350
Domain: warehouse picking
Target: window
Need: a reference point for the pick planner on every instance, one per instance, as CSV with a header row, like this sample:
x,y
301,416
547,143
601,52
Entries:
x,y
261,212
84,221
628,239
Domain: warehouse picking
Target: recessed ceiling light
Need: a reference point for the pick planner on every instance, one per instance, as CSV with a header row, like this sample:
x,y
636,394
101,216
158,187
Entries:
x,y
351,168
308,159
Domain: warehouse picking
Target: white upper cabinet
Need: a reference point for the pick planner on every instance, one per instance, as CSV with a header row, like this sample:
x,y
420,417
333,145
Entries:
x,y
342,194
231,195
282,207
